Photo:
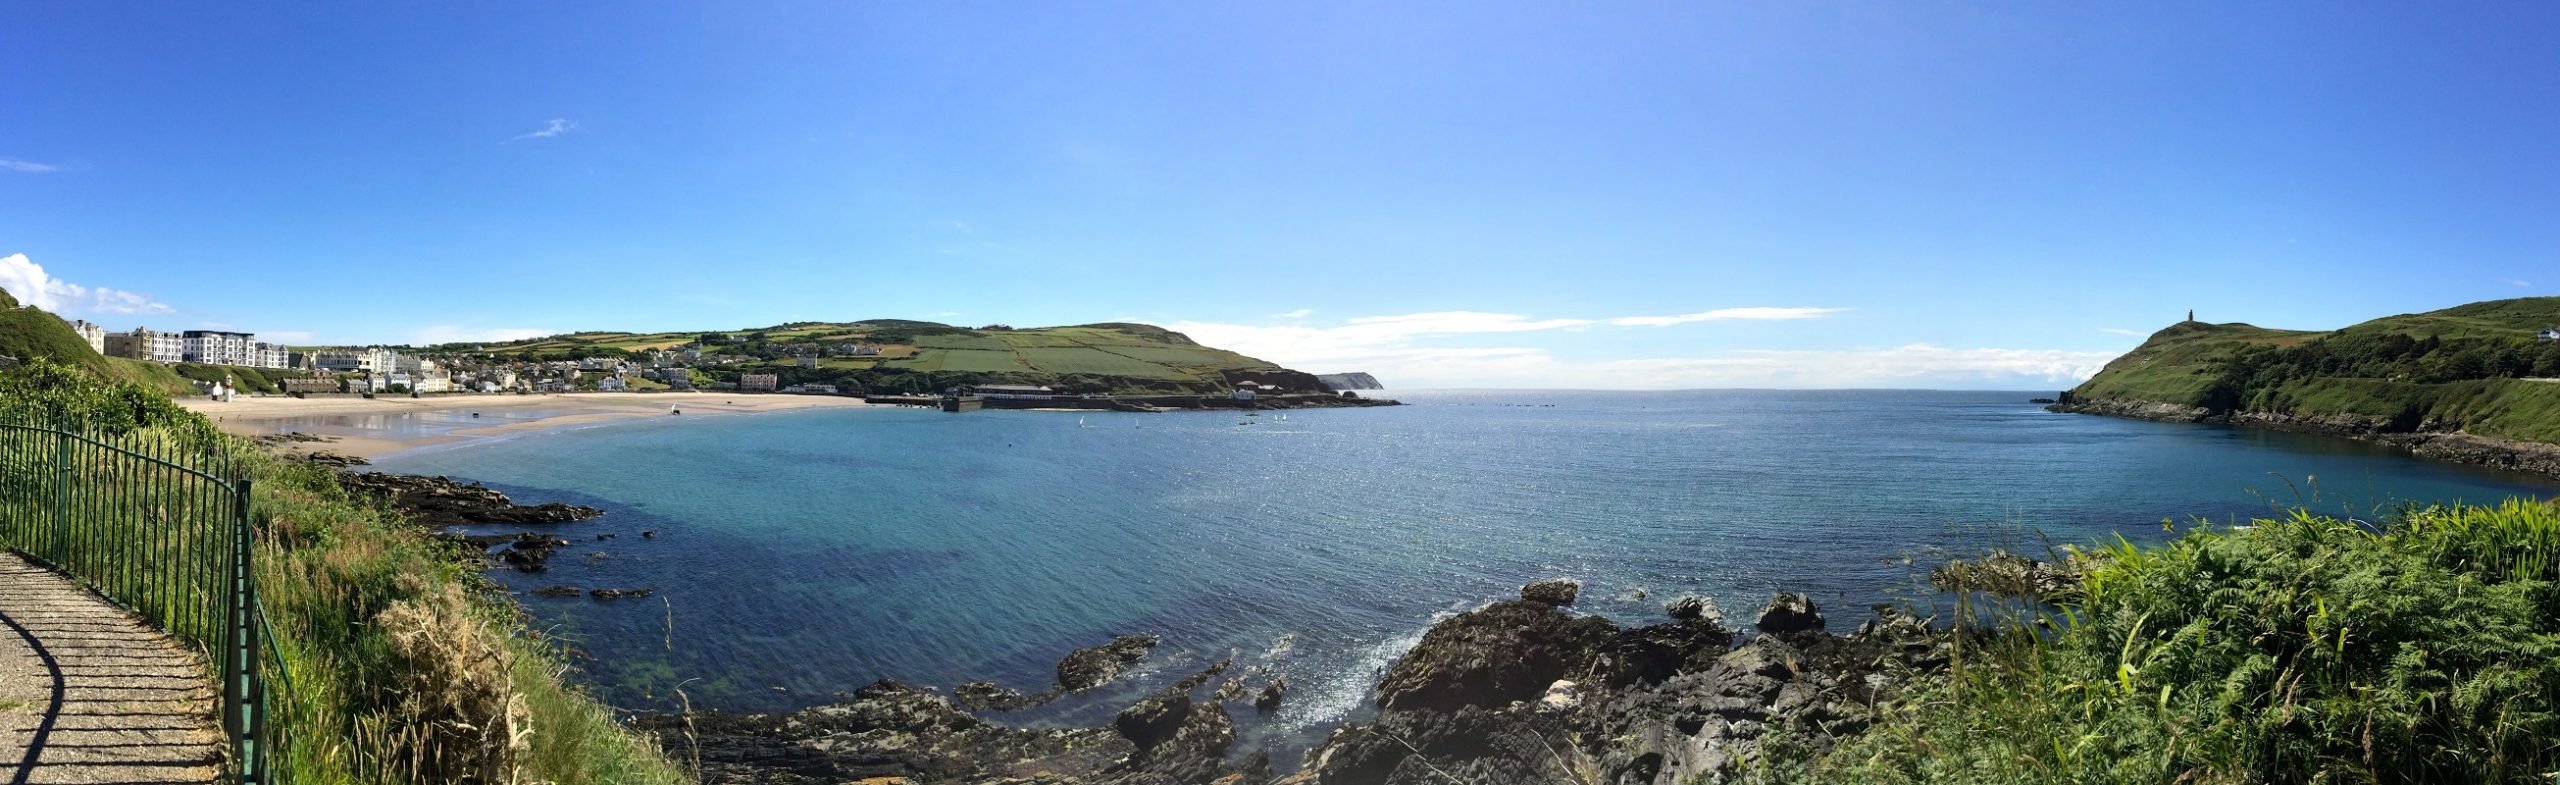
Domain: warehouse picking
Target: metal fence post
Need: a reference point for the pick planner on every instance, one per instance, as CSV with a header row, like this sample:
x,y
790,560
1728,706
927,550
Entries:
x,y
60,553
253,696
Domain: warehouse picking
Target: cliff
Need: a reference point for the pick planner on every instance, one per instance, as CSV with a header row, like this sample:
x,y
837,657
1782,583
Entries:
x,y
1350,381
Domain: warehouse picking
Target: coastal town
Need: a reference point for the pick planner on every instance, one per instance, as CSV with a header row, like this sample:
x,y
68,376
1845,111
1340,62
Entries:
x,y
901,358
396,370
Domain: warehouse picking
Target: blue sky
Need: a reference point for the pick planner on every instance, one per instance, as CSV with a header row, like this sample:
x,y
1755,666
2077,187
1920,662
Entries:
x,y
1460,194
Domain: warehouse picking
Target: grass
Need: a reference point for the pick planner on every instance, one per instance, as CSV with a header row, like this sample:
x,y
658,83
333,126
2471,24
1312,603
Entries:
x,y
2299,649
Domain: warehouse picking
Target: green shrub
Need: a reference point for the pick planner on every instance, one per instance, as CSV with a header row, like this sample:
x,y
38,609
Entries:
x,y
2299,649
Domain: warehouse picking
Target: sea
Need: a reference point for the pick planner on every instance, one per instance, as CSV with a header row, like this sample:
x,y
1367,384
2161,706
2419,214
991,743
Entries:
x,y
796,555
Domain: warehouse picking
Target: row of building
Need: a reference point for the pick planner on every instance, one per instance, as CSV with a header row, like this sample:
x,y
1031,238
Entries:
x,y
212,347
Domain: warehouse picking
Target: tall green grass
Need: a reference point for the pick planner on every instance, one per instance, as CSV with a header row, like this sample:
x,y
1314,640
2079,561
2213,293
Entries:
x,y
2297,649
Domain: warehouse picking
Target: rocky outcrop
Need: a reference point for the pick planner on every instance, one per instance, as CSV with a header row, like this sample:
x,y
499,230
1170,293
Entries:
x,y
1081,669
1516,691
2138,410
1790,612
439,502
887,729
2424,437
1665,704
1092,667
1507,651
1557,593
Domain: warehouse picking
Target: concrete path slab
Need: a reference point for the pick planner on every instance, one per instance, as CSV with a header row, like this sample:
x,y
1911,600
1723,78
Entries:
x,y
90,694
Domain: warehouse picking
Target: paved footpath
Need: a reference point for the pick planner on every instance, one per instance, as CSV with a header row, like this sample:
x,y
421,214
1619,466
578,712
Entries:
x,y
89,694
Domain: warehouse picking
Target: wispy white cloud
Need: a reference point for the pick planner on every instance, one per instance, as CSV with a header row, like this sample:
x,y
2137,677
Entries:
x,y
2123,331
29,282
1410,351
447,333
1727,314
27,167
2518,282
1297,314
557,126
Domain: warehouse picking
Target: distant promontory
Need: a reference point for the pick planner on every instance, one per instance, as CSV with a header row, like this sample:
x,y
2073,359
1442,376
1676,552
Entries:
x,y
2477,383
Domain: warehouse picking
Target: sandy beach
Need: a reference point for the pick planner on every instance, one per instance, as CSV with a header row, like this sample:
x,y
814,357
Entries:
x,y
373,427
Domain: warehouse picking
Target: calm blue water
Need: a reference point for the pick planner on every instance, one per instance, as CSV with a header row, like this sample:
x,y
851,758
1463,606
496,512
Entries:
x,y
805,553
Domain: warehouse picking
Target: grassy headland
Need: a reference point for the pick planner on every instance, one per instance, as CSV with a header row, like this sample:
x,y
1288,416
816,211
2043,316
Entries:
x,y
902,356
2475,370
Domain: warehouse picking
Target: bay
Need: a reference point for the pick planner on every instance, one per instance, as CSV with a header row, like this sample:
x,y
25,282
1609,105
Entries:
x,y
799,554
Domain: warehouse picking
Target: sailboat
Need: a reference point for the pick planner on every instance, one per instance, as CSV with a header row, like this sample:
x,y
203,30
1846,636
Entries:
x,y
1080,423
1284,417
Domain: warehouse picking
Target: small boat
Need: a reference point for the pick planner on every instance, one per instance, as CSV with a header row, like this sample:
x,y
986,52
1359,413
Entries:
x,y
1080,423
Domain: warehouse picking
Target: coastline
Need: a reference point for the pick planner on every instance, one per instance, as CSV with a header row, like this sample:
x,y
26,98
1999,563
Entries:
x,y
361,428
2437,443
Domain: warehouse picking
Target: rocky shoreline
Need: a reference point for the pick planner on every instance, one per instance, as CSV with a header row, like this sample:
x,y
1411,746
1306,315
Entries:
x,y
2428,439
1519,690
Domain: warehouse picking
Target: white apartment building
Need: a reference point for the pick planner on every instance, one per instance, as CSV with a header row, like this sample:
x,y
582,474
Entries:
x,y
145,343
95,335
270,355
215,347
375,361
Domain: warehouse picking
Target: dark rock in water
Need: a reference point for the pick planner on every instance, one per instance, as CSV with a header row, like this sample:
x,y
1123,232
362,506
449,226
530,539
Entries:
x,y
1091,667
334,460
531,552
988,696
1551,592
1154,719
616,594
2040,400
603,537
1269,699
1695,608
648,534
557,591
884,730
439,502
1790,612
1504,652
1080,670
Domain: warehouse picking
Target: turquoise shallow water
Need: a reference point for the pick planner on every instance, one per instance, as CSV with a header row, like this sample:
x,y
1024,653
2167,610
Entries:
x,y
804,553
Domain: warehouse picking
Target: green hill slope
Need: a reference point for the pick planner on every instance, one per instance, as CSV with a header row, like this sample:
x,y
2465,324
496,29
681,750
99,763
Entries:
x,y
30,333
2474,368
897,355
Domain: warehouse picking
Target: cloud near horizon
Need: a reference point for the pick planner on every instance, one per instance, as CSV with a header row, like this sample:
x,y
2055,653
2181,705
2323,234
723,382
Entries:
x,y
29,282
1400,351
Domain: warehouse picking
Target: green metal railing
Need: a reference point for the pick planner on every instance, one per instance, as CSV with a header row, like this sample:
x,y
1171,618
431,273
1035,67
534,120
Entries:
x,y
158,523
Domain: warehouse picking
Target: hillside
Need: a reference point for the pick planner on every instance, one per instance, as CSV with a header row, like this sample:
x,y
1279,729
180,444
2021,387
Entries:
x,y
894,355
2474,370
29,333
